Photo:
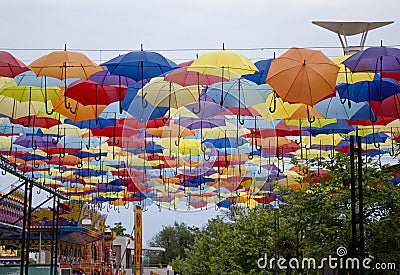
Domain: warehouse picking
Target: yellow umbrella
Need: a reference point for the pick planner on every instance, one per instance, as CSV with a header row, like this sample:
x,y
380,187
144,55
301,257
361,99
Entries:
x,y
31,93
313,153
275,108
323,139
346,76
6,82
222,63
70,130
15,109
164,93
318,122
5,142
228,130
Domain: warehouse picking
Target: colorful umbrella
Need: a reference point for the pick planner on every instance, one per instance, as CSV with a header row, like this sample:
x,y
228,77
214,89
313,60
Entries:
x,y
346,76
10,66
65,64
76,111
221,63
375,59
376,90
139,65
88,92
303,76
184,77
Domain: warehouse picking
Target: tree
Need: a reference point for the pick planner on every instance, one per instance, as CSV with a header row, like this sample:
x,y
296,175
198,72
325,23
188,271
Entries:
x,y
174,238
309,222
119,229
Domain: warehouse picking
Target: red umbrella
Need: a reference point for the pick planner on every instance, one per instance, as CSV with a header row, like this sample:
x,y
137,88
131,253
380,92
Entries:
x,y
11,66
184,77
390,107
88,92
115,131
33,121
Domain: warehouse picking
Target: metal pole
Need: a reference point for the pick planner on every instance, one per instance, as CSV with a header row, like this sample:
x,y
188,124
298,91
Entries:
x,y
40,247
52,237
56,247
360,203
353,199
23,229
28,237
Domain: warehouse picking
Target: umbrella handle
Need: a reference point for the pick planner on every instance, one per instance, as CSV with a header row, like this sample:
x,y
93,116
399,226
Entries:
x,y
311,120
197,112
3,172
251,156
70,108
144,102
34,145
272,110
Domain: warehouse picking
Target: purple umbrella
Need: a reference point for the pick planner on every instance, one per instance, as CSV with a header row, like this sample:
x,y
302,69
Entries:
x,y
105,78
38,140
375,59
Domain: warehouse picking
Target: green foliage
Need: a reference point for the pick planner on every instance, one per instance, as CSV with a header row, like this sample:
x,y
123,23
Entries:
x,y
174,238
311,221
119,229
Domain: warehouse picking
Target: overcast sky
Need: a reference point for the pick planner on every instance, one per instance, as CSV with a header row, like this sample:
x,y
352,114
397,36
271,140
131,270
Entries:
x,y
179,29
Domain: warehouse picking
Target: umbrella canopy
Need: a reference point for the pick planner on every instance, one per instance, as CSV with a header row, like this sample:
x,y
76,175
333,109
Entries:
x,y
77,111
31,93
105,78
168,94
29,78
346,76
390,107
221,63
303,76
238,92
10,66
139,65
375,90
374,59
184,77
65,64
260,76
16,109
334,108
88,92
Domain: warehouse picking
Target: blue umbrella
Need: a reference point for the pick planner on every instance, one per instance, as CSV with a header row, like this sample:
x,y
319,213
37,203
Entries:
x,y
376,90
334,108
238,92
341,126
260,76
139,65
136,109
92,123
29,78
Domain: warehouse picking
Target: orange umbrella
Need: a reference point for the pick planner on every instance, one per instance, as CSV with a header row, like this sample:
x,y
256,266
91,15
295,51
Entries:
x,y
65,64
76,111
303,76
